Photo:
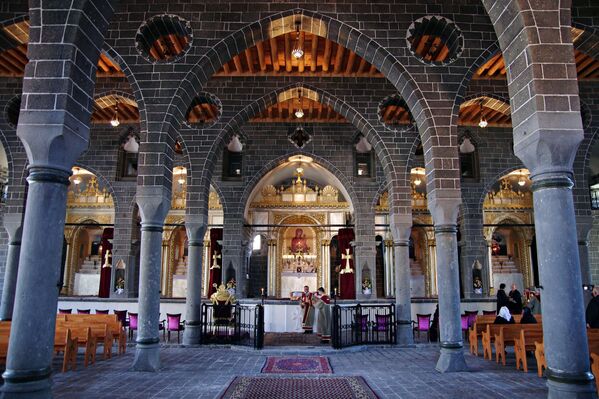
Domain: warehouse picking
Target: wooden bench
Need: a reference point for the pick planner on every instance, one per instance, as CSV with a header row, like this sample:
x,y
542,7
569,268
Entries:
x,y
479,326
65,343
524,343
101,332
593,340
507,336
118,331
595,369
85,340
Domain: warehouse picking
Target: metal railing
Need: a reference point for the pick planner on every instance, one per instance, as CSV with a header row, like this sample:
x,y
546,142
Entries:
x,y
233,325
363,325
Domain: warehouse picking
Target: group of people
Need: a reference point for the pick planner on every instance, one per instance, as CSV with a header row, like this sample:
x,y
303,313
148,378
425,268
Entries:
x,y
316,312
512,303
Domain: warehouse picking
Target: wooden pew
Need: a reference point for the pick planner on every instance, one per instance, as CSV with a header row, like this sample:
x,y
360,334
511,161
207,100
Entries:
x,y
593,340
524,343
118,331
85,340
507,336
63,342
100,331
595,369
480,325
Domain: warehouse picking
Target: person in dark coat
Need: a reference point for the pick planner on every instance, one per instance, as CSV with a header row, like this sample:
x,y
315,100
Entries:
x,y
504,317
592,312
502,298
527,317
515,297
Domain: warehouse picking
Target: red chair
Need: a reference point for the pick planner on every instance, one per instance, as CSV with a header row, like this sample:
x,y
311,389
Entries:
x,y
174,323
65,311
83,311
101,311
489,312
423,325
132,324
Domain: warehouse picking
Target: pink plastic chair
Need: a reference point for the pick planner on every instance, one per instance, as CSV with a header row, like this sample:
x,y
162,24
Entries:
x,y
423,324
132,324
174,323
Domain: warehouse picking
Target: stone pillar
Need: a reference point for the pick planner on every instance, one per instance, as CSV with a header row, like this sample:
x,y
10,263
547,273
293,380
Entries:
x,y
564,325
444,212
206,268
29,362
389,257
325,267
13,224
196,228
584,224
490,263
272,268
401,227
432,258
154,203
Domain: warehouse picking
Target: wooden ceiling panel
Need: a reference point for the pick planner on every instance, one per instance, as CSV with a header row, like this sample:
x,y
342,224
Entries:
x,y
322,57
105,109
13,61
314,112
496,112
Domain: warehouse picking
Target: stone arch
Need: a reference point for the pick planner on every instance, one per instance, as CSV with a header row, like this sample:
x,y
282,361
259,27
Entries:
x,y
493,180
250,186
103,181
340,106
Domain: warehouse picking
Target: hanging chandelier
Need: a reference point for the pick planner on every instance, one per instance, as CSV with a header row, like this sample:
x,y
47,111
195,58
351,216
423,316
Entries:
x,y
298,51
115,119
299,112
482,123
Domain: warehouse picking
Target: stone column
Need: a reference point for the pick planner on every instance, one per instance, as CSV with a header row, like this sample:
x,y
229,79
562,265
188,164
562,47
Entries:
x,y
13,224
445,212
272,268
401,226
389,268
28,365
154,203
564,325
206,267
196,228
325,267
584,224
432,258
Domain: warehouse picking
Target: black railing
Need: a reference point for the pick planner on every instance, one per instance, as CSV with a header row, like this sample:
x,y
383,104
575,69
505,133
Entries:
x,y
363,325
233,325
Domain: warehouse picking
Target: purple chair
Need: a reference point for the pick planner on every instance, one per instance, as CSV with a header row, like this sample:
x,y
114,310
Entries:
x,y
174,323
382,322
101,311
471,318
423,324
83,311
132,324
465,324
121,315
65,311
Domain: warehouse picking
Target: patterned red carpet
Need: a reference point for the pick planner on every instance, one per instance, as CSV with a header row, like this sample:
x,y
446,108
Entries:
x,y
298,387
297,365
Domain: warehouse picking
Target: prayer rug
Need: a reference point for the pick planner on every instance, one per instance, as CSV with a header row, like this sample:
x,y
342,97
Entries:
x,y
297,365
346,387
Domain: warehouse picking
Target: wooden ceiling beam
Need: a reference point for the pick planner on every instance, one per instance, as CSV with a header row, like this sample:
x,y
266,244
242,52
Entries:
x,y
237,62
326,61
261,58
350,62
249,59
314,53
274,54
226,68
301,62
363,65
288,65
339,58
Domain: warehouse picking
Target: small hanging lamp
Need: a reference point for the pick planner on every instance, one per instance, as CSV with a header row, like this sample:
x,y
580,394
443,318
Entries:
x,y
299,112
115,119
482,123
298,51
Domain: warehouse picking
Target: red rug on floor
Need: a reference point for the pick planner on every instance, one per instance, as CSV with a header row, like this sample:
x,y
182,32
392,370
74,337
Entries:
x,y
346,387
297,365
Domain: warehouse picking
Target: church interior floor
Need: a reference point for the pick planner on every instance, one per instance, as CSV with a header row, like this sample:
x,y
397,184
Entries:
x,y
206,372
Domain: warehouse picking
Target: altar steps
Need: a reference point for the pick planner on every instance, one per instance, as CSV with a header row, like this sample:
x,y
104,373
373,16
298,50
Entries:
x,y
504,265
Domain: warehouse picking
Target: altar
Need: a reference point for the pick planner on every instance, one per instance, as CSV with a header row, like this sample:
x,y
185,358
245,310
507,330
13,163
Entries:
x,y
292,281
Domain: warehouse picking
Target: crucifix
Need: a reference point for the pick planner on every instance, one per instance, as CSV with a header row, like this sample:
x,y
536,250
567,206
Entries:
x,y
215,258
346,257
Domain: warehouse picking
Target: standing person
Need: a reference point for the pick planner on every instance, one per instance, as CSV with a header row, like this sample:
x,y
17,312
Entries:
x,y
592,312
515,300
322,302
502,298
308,310
534,303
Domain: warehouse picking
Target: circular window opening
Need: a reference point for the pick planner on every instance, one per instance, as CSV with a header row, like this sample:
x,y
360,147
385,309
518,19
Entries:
x,y
394,113
164,38
435,40
204,111
12,110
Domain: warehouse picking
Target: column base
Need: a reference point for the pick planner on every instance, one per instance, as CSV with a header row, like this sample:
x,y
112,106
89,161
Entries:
x,y
405,334
451,360
571,387
21,388
147,356
192,335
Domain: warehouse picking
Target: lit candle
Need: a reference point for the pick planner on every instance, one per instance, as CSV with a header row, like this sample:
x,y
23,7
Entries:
x,y
262,290
335,291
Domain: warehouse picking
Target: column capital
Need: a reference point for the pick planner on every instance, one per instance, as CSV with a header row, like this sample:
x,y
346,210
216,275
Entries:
x,y
154,203
196,225
401,227
444,210
13,224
